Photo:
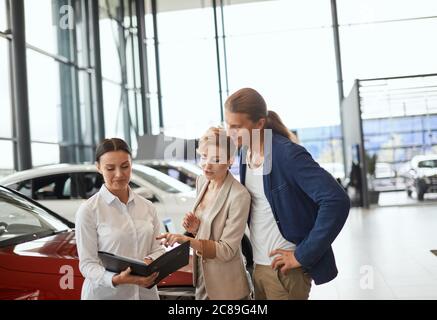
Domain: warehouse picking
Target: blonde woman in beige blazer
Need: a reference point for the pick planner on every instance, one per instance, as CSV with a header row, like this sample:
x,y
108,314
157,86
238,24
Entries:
x,y
218,222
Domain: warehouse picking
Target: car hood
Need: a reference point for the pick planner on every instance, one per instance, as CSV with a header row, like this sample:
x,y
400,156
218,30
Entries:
x,y
56,250
45,255
50,255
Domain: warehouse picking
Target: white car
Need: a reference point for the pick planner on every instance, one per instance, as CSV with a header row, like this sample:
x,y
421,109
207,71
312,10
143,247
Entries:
x,y
64,187
421,178
186,172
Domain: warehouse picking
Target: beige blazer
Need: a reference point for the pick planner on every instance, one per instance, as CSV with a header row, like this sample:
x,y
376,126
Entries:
x,y
225,275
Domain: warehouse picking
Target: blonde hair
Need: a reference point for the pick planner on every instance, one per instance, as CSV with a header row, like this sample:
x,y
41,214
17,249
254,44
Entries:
x,y
217,137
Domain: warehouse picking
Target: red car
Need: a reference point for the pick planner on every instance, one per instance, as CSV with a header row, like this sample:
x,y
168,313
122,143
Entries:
x,y
38,255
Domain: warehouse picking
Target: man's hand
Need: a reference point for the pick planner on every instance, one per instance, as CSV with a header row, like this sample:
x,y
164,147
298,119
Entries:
x,y
285,261
171,239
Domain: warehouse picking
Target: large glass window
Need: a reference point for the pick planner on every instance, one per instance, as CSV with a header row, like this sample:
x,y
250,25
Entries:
x,y
284,49
325,145
396,140
399,117
5,103
121,70
113,109
40,30
44,154
189,75
60,96
152,93
44,108
6,160
370,11
50,25
3,20
86,110
44,102
111,68
378,41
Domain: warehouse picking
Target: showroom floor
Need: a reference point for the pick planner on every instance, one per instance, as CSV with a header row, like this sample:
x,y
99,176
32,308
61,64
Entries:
x,y
384,253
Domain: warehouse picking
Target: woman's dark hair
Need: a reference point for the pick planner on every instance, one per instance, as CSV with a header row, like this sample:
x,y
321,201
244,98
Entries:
x,y
113,144
250,102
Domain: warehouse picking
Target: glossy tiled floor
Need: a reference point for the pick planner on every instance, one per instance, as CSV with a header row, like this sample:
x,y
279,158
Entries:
x,y
384,253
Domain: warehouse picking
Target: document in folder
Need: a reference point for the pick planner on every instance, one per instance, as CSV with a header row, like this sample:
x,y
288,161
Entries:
x,y
168,263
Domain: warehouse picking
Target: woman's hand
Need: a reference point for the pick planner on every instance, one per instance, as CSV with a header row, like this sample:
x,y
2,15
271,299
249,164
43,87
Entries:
x,y
126,278
148,261
191,223
171,239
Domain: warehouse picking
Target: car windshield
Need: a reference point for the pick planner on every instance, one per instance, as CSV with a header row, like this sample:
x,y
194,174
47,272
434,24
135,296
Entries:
x,y
160,180
22,221
432,163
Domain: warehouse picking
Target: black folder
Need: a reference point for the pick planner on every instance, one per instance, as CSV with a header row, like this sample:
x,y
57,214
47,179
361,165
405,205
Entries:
x,y
166,264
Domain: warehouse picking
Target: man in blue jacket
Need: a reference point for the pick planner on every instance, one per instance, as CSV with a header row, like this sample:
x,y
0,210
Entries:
x,y
297,209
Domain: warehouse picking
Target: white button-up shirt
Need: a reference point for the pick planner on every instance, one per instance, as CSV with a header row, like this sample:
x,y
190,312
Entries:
x,y
104,223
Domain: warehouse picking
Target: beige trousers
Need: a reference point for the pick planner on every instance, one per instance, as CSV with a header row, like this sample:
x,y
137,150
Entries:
x,y
273,285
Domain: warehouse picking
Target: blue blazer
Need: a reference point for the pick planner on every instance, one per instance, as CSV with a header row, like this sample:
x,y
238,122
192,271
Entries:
x,y
309,205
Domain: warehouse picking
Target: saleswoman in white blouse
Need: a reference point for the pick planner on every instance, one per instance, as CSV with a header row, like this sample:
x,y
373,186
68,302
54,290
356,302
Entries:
x,y
118,221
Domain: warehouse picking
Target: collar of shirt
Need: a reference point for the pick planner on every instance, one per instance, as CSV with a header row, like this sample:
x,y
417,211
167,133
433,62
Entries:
x,y
109,197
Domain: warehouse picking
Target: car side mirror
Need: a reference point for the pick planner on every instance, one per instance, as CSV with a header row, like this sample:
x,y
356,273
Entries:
x,y
147,194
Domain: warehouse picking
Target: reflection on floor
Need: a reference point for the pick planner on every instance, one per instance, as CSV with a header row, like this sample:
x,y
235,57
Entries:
x,y
385,253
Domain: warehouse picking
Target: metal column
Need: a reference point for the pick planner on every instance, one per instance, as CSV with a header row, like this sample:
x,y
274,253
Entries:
x,y
11,89
217,48
141,25
20,94
122,58
158,72
339,73
98,110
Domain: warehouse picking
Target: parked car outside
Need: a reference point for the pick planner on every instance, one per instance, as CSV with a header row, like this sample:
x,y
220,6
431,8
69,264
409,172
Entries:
x,y
421,177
